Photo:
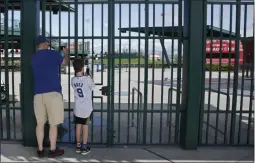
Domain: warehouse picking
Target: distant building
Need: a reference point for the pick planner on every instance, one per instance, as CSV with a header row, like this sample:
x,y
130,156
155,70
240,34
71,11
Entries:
x,y
224,49
156,56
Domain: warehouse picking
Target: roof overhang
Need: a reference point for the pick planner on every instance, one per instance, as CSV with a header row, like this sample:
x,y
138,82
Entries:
x,y
51,5
175,32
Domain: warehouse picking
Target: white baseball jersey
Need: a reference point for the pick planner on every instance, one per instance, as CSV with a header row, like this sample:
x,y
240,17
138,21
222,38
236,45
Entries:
x,y
83,87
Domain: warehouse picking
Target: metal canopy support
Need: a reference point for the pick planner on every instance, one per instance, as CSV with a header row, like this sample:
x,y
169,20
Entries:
x,y
164,50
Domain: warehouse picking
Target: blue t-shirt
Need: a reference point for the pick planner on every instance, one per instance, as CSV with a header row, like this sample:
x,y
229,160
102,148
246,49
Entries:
x,y
45,66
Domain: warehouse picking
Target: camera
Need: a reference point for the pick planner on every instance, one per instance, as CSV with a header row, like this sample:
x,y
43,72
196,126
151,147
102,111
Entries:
x,y
61,48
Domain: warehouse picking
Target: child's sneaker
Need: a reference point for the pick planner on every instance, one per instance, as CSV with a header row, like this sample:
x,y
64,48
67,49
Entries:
x,y
78,148
85,151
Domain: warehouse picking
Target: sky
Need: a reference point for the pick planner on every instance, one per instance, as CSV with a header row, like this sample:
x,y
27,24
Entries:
x,y
170,18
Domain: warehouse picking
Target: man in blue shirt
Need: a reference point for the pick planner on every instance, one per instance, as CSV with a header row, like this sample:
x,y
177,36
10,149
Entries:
x,y
48,99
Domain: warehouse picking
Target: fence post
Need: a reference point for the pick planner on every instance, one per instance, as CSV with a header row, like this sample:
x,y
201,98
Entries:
x,y
29,29
110,82
192,72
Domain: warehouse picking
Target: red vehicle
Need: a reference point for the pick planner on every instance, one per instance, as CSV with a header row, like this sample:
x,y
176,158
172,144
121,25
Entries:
x,y
213,49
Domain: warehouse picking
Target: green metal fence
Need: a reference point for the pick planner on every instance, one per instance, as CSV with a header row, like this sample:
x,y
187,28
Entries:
x,y
227,115
142,103
11,123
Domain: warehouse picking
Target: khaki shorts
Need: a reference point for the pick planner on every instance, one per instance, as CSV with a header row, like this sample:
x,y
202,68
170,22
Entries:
x,y
49,106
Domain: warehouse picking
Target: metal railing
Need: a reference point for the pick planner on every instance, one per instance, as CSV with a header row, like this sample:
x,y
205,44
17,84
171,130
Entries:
x,y
15,23
223,93
169,102
139,113
169,108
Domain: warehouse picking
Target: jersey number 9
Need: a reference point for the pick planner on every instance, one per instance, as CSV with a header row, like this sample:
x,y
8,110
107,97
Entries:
x,y
80,92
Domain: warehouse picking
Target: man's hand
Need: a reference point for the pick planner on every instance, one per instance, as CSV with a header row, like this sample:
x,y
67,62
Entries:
x,y
65,50
65,60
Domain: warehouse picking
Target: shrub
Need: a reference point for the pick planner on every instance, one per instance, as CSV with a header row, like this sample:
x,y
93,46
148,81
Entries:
x,y
216,67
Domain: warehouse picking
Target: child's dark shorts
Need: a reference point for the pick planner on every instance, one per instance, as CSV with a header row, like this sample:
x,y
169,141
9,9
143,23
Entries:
x,y
82,121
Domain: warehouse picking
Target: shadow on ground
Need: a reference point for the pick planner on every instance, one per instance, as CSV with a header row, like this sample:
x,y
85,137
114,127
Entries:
x,y
16,152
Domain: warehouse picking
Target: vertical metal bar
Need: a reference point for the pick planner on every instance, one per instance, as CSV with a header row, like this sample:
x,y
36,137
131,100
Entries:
x,y
202,106
179,73
50,23
235,84
28,30
113,71
139,73
139,126
43,17
242,83
109,127
37,17
110,112
1,48
84,42
59,34
153,75
6,44
192,74
210,77
251,111
76,44
120,66
229,69
102,68
219,77
13,96
129,68
146,71
69,84
171,80
92,64
162,75
83,31
76,27
102,42
133,107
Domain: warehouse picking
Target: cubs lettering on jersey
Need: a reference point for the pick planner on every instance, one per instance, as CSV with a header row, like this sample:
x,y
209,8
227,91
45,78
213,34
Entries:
x,y
83,87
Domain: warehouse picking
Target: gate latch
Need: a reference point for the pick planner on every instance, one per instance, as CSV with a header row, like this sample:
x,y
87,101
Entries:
x,y
112,133
104,90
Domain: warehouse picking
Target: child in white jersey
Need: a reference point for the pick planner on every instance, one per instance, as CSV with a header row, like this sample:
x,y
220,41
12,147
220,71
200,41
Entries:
x,y
83,86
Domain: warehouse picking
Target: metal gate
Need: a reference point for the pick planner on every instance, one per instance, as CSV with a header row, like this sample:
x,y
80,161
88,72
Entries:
x,y
227,116
135,52
113,42
10,113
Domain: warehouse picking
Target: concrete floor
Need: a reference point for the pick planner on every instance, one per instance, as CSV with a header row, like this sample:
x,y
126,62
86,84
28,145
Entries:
x,y
19,153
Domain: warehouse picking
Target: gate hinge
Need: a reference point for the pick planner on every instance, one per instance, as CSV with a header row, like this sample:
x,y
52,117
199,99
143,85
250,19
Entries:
x,y
112,132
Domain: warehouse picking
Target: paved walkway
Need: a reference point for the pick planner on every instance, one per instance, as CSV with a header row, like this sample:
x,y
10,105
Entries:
x,y
18,153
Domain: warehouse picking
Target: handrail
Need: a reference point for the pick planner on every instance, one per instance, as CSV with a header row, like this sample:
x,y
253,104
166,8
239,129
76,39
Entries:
x,y
139,106
139,101
15,22
206,89
169,109
223,93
